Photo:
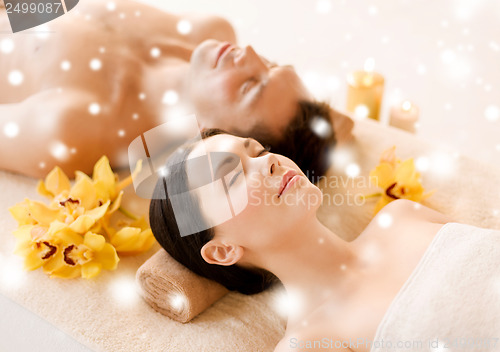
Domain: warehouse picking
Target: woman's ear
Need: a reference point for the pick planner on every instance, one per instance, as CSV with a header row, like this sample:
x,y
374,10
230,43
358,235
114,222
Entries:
x,y
217,252
342,125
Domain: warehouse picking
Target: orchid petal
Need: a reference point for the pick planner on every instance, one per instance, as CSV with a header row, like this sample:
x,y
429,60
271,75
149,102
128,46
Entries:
x,y
91,269
94,242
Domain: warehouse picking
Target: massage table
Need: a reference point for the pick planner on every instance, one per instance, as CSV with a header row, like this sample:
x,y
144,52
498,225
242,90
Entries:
x,y
108,314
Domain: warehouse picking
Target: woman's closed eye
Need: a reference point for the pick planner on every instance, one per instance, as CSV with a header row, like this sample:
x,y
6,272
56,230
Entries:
x,y
263,151
235,178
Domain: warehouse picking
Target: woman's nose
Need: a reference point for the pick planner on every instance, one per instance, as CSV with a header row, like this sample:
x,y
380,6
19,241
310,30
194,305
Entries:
x,y
271,165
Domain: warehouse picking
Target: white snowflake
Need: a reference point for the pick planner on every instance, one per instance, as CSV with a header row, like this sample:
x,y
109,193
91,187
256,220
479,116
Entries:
x,y
323,6
111,6
16,77
422,163
65,65
320,127
11,129
178,301
184,27
361,111
95,64
373,10
384,220
155,52
170,97
492,113
494,46
448,56
59,150
42,31
421,69
6,46
352,170
123,290
94,109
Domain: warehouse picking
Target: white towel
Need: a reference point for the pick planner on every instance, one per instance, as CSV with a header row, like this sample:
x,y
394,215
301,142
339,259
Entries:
x,y
451,301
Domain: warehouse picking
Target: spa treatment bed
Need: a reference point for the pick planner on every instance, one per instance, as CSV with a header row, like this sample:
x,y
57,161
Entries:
x,y
108,313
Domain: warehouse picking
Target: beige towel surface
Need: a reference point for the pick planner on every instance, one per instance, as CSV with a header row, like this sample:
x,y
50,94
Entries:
x,y
175,291
108,314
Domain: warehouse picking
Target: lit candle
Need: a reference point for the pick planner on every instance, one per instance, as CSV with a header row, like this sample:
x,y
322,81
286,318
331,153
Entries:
x,y
365,91
404,116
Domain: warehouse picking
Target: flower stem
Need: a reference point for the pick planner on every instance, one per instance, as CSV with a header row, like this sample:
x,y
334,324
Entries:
x,y
127,213
371,195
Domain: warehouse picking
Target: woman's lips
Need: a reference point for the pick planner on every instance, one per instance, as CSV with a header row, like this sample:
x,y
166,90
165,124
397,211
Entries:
x,y
221,52
289,178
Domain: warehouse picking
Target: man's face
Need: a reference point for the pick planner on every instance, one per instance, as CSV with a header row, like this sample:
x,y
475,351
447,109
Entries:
x,y
236,89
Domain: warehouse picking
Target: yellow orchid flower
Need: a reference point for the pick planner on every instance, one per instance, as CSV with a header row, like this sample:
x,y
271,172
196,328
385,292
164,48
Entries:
x,y
36,249
399,180
72,236
39,244
84,257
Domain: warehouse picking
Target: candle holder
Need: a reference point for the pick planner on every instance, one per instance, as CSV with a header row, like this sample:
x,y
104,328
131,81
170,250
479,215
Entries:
x,y
365,91
404,116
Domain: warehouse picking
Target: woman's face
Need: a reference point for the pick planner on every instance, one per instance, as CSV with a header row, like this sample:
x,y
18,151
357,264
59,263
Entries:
x,y
236,89
268,194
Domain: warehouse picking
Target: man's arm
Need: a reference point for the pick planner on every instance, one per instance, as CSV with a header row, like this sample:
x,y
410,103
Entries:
x,y
53,128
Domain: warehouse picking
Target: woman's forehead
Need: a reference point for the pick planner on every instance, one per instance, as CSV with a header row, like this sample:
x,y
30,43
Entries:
x,y
217,143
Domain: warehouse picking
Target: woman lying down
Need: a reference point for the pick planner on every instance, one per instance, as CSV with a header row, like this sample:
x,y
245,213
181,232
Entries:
x,y
420,284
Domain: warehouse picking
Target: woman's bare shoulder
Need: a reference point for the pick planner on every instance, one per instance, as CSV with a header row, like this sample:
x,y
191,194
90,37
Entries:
x,y
408,210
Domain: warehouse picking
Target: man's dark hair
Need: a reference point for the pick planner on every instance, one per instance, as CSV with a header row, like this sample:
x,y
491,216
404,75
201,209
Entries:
x,y
301,141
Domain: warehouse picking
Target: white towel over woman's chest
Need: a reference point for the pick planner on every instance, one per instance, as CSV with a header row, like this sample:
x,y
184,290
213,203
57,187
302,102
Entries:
x,y
451,302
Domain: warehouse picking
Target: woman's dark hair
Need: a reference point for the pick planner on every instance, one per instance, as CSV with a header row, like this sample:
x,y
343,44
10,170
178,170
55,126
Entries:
x,y
187,249
300,141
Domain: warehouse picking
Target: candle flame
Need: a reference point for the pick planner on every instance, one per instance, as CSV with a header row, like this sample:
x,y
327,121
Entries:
x,y
369,64
406,106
